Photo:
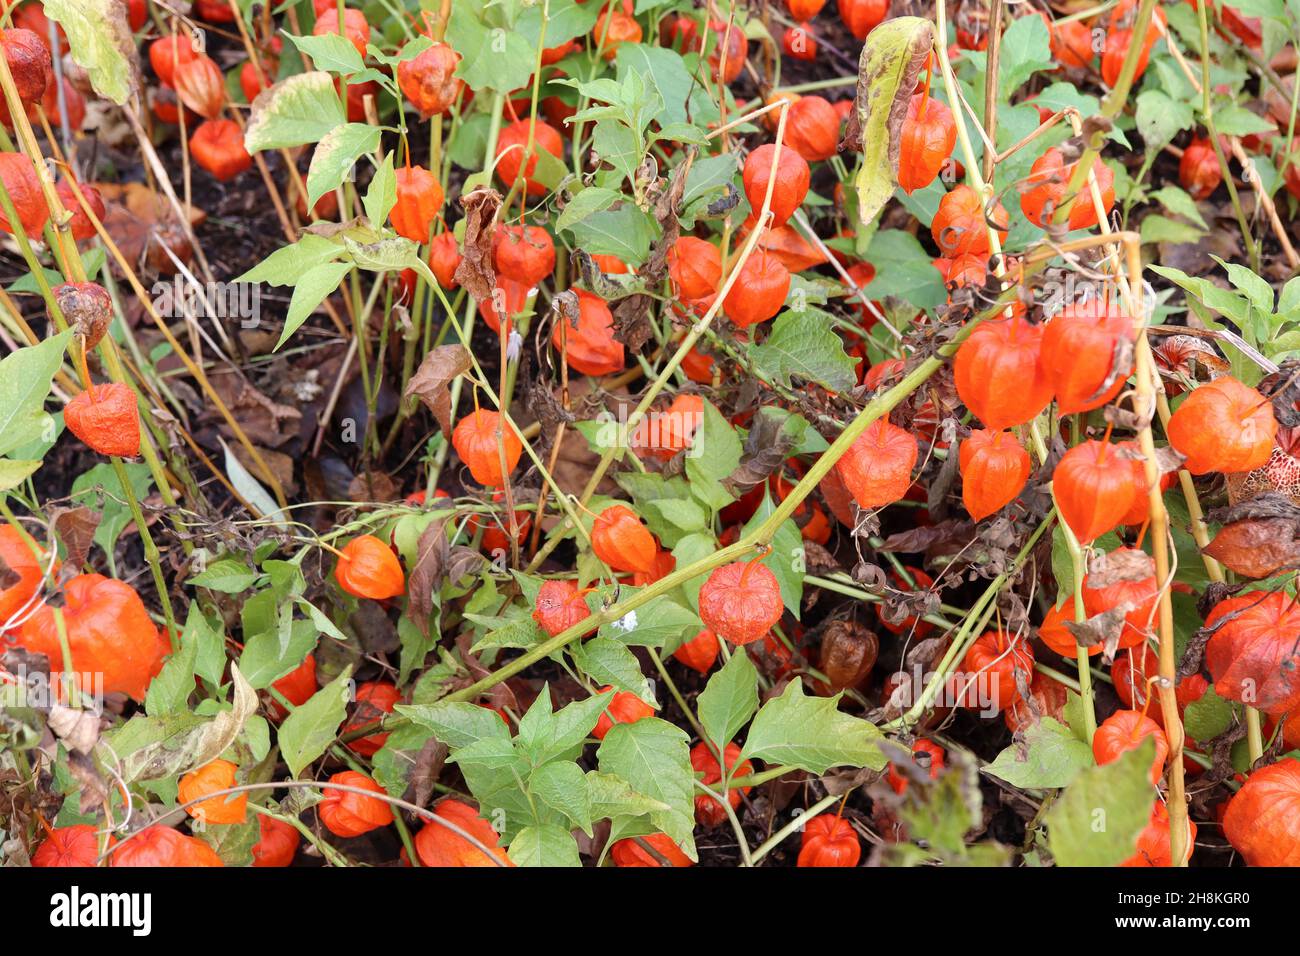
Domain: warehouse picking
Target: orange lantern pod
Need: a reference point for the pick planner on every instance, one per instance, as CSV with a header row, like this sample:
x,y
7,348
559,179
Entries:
x,y
996,353
347,814
623,708
475,440
926,142
877,468
1125,730
589,345
994,469
793,178
829,841
438,846
367,568
1093,488
620,540
1262,821
708,811
1078,355
1044,191
1224,426
160,845
211,777
740,602
560,606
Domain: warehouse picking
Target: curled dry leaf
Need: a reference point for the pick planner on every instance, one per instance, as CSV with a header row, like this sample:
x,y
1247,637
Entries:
x,y
1257,547
78,729
1104,629
475,271
76,528
432,380
1122,564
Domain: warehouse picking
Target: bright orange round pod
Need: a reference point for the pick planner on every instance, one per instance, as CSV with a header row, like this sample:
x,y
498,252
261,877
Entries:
x,y
614,28
1125,730
429,79
792,180
988,672
1153,843
996,353
812,129
877,468
804,9
374,699
24,562
862,16
106,419
24,188
1132,672
1045,188
700,652
1057,636
799,43
1252,657
297,687
367,568
620,540
959,226
630,852
217,775
926,755
560,605
475,440
201,86
218,146
160,845
76,845
708,811
1093,488
589,346
623,708
829,841
994,469
926,142
419,198
523,253
740,602
512,142
1142,594
437,846
665,433
759,291
1225,426
1072,43
109,633
1198,169
727,47
444,258
1262,821
695,266
348,814
278,844
355,27
80,224
166,52
1078,355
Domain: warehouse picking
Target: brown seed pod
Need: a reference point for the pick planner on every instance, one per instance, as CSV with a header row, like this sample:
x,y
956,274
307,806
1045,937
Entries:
x,y
87,307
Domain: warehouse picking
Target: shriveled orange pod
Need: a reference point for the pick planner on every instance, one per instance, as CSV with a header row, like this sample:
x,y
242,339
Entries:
x,y
1093,488
995,355
30,65
589,346
211,777
429,79
994,469
1224,426
741,601
475,440
620,540
1078,355
877,468
367,568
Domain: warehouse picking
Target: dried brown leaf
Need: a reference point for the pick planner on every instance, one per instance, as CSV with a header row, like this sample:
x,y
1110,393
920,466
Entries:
x,y
431,381
475,271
